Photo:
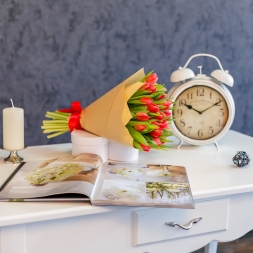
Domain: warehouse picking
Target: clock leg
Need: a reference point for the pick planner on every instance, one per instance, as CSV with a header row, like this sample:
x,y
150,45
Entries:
x,y
180,144
211,247
216,145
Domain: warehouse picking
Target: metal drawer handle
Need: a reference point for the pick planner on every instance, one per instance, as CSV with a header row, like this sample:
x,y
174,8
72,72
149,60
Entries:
x,y
186,226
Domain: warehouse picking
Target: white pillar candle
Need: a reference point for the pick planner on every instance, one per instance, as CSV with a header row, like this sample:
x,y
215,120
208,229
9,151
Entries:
x,y
13,128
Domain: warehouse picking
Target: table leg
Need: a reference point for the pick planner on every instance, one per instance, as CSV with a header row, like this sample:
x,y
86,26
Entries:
x,y
211,247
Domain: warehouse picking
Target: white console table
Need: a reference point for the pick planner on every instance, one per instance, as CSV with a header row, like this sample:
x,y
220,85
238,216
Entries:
x,y
223,195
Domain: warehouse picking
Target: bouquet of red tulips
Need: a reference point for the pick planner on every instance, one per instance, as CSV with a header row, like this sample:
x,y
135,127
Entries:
x,y
135,113
151,115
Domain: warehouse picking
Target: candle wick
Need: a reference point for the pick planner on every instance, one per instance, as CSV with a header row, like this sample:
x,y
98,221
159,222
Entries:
x,y
12,103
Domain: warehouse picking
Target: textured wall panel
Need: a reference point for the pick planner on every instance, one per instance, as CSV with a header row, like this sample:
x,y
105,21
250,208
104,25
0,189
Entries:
x,y
57,51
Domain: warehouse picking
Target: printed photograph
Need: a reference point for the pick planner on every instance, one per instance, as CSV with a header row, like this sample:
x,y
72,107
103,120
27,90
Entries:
x,y
81,167
75,174
123,191
166,173
126,171
174,193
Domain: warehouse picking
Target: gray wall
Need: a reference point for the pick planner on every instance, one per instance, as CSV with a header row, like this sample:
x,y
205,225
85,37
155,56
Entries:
x,y
53,52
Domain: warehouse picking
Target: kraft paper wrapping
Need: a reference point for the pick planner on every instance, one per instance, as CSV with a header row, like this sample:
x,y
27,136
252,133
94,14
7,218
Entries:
x,y
108,116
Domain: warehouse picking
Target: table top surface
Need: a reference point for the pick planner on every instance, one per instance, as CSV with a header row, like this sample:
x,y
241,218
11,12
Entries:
x,y
211,174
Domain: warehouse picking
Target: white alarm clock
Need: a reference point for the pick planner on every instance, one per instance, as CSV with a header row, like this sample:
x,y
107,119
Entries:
x,y
204,108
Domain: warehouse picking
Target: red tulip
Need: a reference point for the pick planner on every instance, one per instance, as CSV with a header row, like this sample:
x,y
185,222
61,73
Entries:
x,y
145,86
144,147
168,102
156,133
161,116
152,88
152,79
167,113
146,101
166,105
161,97
153,108
142,116
164,125
155,123
148,87
140,127
157,141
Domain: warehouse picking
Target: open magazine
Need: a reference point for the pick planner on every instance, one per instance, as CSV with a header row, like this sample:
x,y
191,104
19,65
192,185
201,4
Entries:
x,y
85,177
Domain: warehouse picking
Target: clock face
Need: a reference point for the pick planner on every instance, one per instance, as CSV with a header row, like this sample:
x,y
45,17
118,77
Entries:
x,y
200,112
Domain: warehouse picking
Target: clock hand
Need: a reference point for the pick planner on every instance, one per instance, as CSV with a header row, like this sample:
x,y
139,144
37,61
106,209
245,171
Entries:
x,y
211,106
190,107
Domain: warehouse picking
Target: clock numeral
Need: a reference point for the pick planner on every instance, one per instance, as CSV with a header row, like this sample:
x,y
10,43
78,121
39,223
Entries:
x,y
189,129
210,130
189,96
179,112
210,95
182,102
222,113
218,100
182,122
218,123
200,92
200,133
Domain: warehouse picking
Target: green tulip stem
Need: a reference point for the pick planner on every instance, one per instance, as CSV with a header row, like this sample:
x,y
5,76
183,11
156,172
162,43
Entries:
x,y
55,115
52,122
46,131
56,134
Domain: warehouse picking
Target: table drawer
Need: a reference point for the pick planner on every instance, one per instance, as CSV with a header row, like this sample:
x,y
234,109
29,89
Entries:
x,y
149,225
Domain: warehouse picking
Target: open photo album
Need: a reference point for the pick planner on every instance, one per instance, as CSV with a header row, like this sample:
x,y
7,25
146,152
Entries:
x,y
85,177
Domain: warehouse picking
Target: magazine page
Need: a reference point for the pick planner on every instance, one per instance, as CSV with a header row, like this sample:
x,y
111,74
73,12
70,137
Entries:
x,y
72,174
142,185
